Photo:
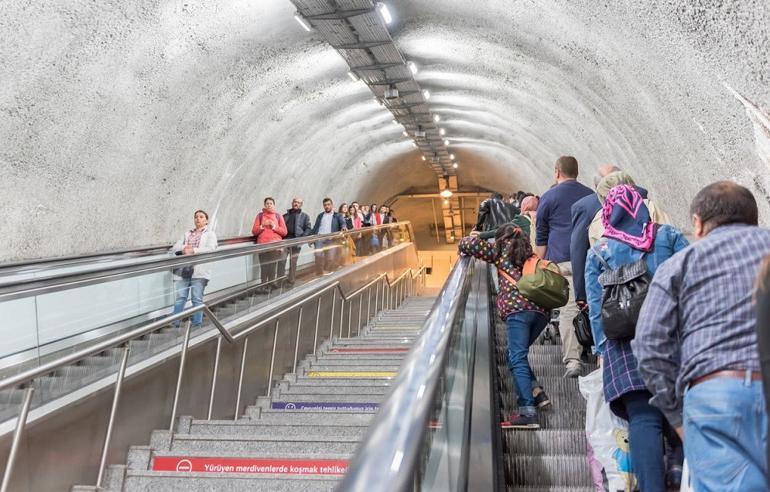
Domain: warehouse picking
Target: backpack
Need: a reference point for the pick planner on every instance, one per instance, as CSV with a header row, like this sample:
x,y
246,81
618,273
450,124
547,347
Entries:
x,y
624,291
542,283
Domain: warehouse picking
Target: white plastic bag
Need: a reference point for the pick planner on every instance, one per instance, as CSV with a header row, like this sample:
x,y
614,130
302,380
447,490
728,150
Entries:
x,y
686,485
607,436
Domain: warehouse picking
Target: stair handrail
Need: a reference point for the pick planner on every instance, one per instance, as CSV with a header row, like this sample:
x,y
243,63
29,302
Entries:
x,y
101,273
387,456
122,341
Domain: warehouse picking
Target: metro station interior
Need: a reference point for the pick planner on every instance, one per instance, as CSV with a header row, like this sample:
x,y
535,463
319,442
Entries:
x,y
149,144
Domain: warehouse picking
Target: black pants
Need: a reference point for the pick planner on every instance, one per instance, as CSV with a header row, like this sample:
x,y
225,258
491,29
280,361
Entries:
x,y
293,254
268,265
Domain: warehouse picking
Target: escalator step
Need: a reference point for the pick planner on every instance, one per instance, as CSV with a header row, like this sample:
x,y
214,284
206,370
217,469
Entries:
x,y
550,470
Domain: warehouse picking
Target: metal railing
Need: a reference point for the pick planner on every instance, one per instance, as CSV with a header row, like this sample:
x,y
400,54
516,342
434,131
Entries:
x,y
405,284
106,272
389,455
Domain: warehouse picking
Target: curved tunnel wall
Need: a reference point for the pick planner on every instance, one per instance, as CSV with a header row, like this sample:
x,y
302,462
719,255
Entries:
x,y
118,119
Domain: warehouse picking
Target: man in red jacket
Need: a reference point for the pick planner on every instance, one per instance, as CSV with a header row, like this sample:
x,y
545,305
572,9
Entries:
x,y
269,227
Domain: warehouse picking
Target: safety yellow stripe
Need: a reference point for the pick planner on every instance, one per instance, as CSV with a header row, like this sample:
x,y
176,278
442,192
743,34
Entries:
x,y
351,374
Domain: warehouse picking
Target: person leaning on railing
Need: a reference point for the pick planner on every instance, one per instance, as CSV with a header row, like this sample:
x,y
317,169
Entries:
x,y
191,280
269,227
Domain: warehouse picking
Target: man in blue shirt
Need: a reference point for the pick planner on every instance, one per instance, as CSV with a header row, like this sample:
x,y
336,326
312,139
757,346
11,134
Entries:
x,y
554,230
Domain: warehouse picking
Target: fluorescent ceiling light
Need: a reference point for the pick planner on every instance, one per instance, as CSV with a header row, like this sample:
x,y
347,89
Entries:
x,y
446,141
452,156
353,76
436,118
441,132
404,133
384,12
424,158
412,67
455,165
303,22
426,94
446,193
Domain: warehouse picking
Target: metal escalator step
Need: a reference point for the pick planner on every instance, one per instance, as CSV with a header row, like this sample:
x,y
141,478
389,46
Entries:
x,y
551,489
549,470
546,442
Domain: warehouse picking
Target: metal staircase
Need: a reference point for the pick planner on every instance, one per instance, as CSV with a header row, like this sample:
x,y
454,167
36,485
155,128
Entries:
x,y
552,458
300,437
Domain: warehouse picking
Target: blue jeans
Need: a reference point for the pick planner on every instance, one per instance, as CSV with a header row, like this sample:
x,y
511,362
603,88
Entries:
x,y
646,426
195,287
725,435
523,329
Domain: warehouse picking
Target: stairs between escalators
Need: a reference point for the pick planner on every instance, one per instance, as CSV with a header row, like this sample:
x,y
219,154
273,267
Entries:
x,y
302,437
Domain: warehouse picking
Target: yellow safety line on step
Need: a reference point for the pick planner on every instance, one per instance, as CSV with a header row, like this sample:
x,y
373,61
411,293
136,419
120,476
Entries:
x,y
351,374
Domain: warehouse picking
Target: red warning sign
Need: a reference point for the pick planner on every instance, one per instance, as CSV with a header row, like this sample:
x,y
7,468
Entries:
x,y
368,350
275,466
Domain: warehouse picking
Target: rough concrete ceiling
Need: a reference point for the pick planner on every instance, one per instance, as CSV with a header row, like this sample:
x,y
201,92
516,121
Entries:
x,y
118,119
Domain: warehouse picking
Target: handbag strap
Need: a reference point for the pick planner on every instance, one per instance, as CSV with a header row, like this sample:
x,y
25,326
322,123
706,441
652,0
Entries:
x,y
604,262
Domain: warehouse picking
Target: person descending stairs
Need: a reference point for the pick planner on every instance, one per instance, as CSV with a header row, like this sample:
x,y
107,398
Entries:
x,y
552,457
301,437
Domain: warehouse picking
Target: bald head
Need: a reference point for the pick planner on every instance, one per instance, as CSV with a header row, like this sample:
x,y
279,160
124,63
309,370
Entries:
x,y
604,171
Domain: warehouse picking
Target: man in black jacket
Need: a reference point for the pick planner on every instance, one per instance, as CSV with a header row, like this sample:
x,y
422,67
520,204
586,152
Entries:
x,y
297,225
493,212
326,251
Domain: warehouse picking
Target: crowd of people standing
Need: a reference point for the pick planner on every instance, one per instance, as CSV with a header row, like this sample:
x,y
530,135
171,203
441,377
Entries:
x,y
677,328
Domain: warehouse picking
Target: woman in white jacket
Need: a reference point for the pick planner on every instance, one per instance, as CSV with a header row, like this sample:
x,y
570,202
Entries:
x,y
192,280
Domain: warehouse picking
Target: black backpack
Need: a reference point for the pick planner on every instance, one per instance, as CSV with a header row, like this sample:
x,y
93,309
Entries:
x,y
625,289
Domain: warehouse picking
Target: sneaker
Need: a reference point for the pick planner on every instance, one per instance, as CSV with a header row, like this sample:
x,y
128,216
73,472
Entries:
x,y
521,422
542,401
574,369
674,477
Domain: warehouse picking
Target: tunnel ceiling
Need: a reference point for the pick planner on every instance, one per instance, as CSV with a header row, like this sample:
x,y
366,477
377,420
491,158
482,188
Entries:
x,y
118,119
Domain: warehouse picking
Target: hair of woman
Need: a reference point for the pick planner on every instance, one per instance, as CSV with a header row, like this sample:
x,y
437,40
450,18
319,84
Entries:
x,y
201,212
511,242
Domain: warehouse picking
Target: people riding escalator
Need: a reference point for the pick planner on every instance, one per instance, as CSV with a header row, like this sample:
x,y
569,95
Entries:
x,y
297,226
524,319
269,227
191,281
627,256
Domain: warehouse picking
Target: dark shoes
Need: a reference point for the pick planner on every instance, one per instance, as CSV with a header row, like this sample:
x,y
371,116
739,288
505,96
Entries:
x,y
528,422
542,401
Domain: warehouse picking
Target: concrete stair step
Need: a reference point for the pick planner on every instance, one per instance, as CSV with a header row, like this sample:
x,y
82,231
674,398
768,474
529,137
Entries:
x,y
310,382
255,428
326,398
345,361
309,417
320,366
240,446
135,480
290,390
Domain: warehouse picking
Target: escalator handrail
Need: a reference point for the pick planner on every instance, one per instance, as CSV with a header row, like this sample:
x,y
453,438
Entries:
x,y
390,452
101,273
225,330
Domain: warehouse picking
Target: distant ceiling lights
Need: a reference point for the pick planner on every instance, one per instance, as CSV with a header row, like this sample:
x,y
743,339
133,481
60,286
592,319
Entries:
x,y
353,76
404,133
426,94
412,67
384,12
454,165
452,156
441,132
391,92
424,158
436,118
446,141
419,133
303,22
446,193
394,121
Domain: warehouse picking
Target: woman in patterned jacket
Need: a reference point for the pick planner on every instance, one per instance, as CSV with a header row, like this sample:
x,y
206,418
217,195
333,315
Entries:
x,y
525,319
